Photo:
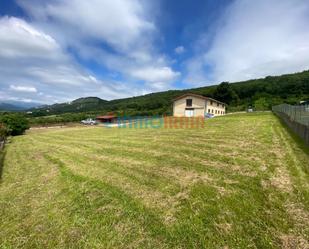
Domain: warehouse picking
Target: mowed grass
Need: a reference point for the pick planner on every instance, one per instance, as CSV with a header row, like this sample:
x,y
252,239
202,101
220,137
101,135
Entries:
x,y
240,182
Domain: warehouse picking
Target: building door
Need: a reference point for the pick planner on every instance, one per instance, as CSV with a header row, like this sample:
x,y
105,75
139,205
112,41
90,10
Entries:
x,y
189,113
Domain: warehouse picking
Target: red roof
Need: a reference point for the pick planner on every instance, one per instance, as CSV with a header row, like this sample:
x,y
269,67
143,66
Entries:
x,y
106,117
198,96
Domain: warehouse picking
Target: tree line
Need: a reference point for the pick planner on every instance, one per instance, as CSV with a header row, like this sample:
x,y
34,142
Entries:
x,y
259,94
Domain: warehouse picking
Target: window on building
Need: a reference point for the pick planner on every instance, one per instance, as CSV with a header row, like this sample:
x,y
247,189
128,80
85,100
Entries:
x,y
218,104
212,111
211,102
208,110
189,102
216,112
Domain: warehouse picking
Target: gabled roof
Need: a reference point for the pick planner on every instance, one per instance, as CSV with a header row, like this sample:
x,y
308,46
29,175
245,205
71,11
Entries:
x,y
198,96
106,117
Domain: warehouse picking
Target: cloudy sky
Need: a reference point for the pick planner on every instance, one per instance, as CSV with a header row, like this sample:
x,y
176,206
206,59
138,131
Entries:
x,y
59,50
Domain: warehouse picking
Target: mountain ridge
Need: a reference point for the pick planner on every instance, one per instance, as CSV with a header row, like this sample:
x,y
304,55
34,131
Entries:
x,y
9,107
262,93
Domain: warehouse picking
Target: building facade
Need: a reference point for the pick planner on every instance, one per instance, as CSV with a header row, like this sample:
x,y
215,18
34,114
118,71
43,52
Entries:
x,y
194,105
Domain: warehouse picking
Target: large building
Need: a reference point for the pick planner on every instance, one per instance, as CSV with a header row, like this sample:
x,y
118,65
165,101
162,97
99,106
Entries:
x,y
194,105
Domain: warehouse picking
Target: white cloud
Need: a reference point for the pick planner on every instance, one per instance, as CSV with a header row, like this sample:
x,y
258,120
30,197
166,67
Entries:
x,y
180,50
119,23
19,39
31,60
118,34
153,74
255,39
157,86
27,89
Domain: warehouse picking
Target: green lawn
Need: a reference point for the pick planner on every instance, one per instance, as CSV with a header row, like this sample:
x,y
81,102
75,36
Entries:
x,y
240,182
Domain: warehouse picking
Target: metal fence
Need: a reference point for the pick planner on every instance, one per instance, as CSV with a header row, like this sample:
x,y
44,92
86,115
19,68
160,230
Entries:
x,y
296,117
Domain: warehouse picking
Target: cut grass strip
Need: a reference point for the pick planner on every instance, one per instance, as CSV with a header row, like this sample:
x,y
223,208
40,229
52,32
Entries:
x,y
238,183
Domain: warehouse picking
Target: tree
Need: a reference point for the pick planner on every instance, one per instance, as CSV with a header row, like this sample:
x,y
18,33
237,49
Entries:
x,y
261,104
225,93
15,123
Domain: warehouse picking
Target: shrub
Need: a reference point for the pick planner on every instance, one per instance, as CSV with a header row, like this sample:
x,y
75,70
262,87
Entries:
x,y
15,124
4,131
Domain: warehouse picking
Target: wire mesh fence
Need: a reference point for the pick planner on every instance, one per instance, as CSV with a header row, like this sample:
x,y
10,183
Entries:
x,y
296,117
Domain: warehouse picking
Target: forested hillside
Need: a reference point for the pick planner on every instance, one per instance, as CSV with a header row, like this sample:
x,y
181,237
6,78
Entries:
x,y
261,94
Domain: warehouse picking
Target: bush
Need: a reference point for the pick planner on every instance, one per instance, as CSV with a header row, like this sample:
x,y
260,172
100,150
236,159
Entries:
x,y
4,132
261,104
15,124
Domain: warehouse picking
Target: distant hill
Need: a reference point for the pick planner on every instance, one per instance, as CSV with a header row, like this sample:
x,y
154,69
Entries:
x,y
9,107
78,105
258,93
17,105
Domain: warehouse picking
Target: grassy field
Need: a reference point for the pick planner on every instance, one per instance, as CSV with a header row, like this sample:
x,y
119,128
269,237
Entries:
x,y
241,182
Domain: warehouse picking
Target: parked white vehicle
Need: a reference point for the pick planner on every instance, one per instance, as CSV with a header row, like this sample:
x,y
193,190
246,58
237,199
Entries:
x,y
89,121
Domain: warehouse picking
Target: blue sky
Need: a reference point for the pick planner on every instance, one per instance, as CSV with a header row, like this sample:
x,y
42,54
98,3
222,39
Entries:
x,y
59,50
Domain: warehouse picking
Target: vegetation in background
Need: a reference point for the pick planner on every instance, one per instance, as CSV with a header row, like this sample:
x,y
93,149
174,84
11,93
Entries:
x,y
241,182
261,104
225,93
60,119
15,123
260,94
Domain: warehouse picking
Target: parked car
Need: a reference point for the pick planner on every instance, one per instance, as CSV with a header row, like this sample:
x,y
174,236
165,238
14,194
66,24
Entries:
x,y
89,121
209,115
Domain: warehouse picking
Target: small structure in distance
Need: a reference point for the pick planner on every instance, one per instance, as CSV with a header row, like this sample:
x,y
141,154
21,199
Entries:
x,y
107,118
